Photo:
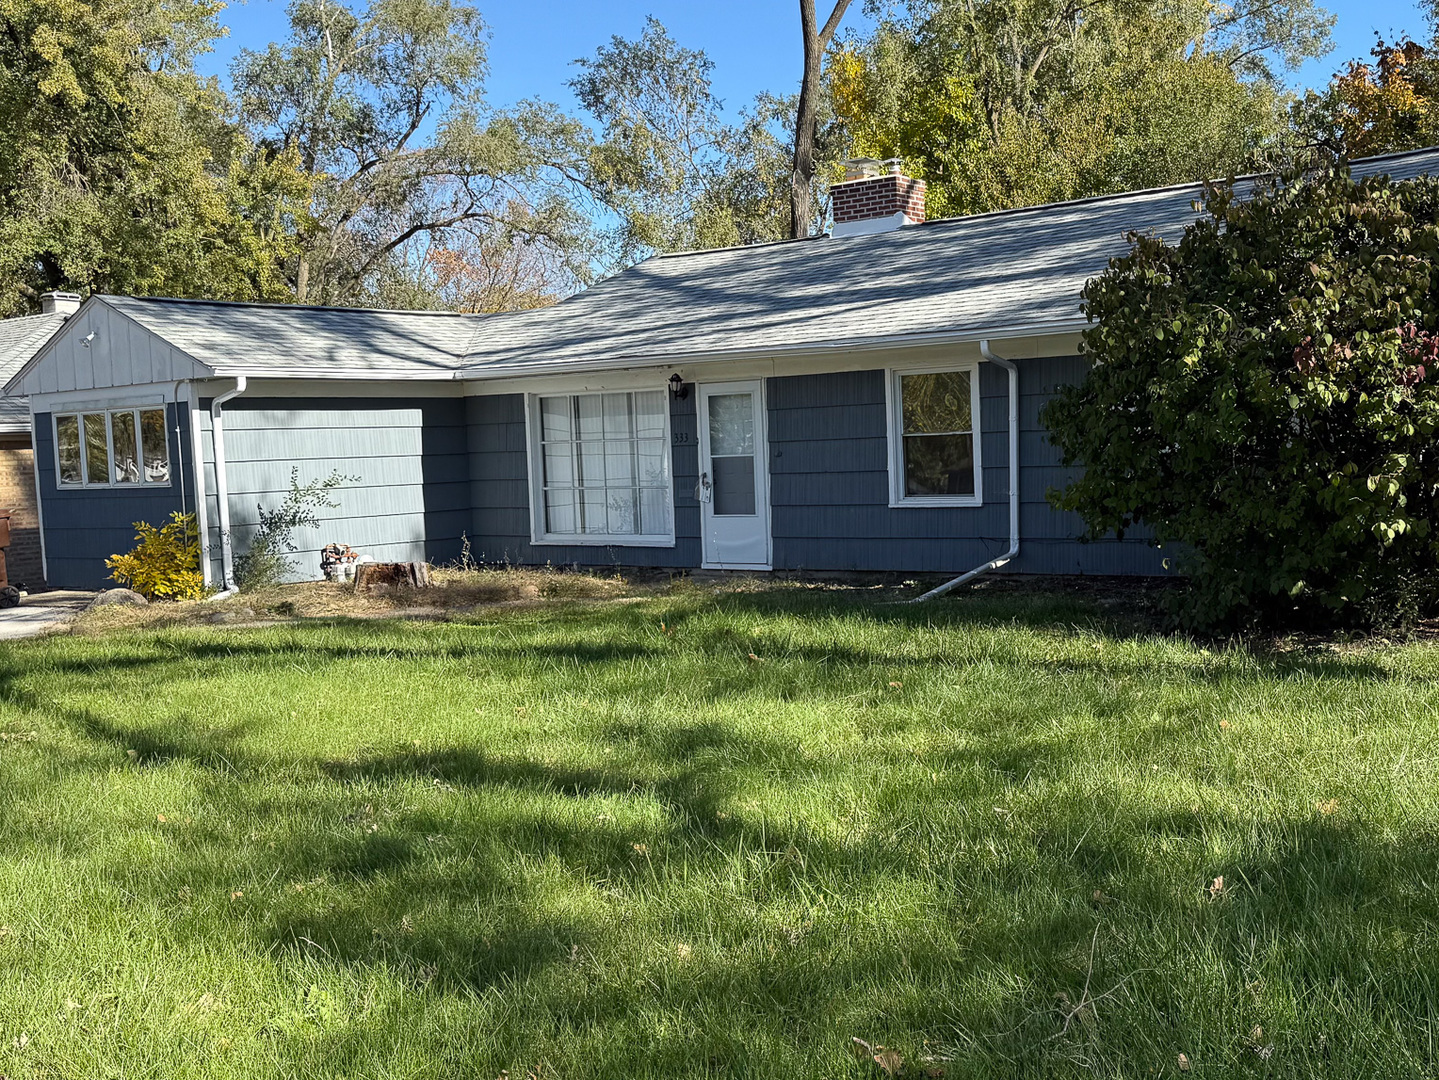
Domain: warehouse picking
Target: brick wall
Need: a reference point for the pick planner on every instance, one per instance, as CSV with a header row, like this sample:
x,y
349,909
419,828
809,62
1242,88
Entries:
x,y
878,197
17,490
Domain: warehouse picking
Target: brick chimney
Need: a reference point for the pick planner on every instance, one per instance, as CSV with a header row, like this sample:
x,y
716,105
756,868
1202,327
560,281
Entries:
x,y
875,197
59,303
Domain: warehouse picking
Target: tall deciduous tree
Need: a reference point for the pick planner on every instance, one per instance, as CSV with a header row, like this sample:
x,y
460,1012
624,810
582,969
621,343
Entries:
x,y
384,106
1007,102
668,166
816,40
1389,105
120,170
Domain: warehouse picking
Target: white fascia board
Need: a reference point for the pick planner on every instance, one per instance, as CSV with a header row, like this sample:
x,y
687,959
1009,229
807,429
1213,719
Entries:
x,y
775,352
569,380
269,386
105,397
439,374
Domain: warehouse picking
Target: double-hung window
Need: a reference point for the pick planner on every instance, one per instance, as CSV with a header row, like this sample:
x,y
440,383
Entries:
x,y
600,468
934,437
117,448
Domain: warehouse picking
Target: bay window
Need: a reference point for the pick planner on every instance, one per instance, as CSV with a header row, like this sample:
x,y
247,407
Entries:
x,y
934,437
600,468
115,448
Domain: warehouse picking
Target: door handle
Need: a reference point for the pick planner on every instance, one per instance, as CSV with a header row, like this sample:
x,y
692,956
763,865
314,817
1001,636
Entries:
x,y
704,489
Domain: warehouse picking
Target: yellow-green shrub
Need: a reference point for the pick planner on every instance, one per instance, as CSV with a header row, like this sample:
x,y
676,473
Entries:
x,y
165,564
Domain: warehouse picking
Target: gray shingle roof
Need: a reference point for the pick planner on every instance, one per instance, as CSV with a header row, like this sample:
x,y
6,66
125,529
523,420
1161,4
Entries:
x,y
21,339
282,340
1016,270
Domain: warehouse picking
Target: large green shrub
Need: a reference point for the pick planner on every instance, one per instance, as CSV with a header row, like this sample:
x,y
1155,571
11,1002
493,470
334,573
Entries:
x,y
1263,399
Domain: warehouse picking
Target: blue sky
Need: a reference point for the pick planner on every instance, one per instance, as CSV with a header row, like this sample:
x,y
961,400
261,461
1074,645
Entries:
x,y
754,43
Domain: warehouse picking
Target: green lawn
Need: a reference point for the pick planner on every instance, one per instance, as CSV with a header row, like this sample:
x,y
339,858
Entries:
x,y
607,841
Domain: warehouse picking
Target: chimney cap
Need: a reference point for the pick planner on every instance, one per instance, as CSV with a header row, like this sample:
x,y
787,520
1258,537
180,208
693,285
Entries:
x,y
60,303
867,168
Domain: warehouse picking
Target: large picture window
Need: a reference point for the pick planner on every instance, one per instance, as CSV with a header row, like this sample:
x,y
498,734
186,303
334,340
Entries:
x,y
934,437
117,448
602,472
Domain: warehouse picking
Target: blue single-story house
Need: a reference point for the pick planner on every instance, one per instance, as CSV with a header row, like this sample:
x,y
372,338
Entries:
x,y
867,400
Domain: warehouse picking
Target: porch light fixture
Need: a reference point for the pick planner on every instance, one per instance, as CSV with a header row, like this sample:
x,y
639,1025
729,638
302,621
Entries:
x,y
678,387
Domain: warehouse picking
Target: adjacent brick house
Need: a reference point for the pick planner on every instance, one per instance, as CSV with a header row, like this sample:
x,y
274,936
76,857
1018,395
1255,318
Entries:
x,y
20,340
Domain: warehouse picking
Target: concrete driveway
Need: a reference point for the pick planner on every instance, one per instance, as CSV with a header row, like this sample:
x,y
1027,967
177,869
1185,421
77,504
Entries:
x,y
42,613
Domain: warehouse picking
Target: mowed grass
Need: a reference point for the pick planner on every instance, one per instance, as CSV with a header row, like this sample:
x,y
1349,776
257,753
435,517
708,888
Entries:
x,y
717,834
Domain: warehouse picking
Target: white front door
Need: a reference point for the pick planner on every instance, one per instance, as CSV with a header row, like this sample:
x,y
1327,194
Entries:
x,y
734,476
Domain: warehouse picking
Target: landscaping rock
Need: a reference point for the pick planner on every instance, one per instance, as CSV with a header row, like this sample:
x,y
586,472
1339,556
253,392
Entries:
x,y
232,615
119,596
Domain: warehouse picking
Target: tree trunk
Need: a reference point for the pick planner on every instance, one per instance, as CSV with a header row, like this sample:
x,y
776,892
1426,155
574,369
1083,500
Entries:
x,y
816,40
302,279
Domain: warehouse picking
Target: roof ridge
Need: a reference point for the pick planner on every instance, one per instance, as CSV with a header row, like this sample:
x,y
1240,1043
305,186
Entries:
x,y
260,305
1113,196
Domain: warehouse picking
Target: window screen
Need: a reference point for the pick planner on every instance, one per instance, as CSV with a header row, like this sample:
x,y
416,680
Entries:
x,y
938,433
603,465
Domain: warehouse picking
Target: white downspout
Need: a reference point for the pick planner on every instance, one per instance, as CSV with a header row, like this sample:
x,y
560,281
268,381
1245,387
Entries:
x,y
995,564
222,489
197,455
39,496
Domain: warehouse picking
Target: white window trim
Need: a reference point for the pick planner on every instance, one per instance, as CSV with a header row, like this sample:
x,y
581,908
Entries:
x,y
109,413
895,428
534,454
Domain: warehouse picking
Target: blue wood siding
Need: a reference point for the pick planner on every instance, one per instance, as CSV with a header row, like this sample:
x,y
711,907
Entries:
x,y
85,526
408,501
829,478
499,493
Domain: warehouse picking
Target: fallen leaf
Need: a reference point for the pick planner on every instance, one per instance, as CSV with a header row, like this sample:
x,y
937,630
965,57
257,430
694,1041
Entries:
x,y
861,1049
133,755
160,818
1224,725
1327,807
1183,1062
889,1060
753,659
1216,887
896,685
237,894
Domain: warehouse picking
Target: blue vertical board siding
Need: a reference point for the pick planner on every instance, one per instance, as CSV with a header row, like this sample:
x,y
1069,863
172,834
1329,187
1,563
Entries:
x,y
829,480
500,493
829,486
85,526
406,493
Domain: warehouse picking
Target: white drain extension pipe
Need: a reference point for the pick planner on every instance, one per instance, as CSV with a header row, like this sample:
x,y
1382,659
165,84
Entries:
x,y
995,564
222,489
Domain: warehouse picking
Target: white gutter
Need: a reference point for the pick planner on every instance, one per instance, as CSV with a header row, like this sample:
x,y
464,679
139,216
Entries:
x,y
222,489
995,564
982,335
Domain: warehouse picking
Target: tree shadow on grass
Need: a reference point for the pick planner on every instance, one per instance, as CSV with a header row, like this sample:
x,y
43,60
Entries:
x,y
566,889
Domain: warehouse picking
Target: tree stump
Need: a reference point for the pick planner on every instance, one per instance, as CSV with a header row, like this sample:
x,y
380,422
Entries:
x,y
412,575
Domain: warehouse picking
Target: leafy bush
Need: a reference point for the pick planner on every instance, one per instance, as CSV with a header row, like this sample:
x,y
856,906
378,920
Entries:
x,y
267,561
1263,396
165,564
